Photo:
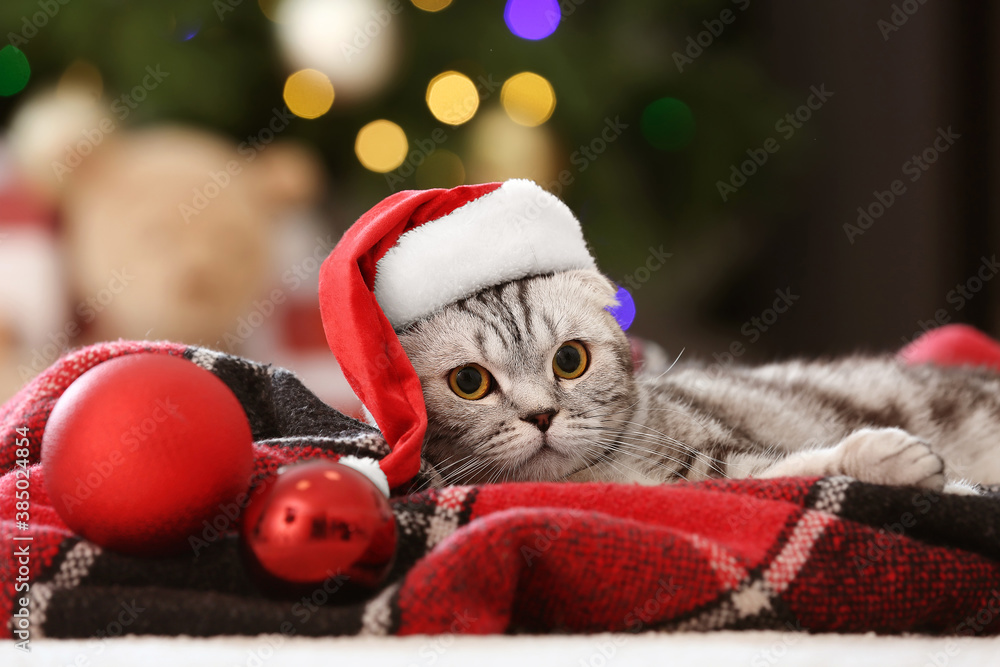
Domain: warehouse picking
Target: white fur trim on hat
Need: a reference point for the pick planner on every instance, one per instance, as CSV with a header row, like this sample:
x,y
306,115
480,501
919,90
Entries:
x,y
369,468
516,231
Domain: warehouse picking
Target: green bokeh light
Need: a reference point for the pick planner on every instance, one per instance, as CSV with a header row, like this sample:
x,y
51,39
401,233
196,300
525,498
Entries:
x,y
668,124
14,71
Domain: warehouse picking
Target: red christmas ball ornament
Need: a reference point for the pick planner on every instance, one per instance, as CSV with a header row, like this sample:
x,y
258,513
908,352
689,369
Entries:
x,y
954,345
315,523
143,448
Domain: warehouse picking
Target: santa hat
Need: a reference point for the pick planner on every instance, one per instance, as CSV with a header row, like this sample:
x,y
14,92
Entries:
x,y
410,256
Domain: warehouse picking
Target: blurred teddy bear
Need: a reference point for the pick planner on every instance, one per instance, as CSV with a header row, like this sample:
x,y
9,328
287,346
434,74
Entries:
x,y
166,232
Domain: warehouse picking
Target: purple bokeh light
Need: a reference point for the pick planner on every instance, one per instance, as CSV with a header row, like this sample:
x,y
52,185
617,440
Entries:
x,y
186,30
532,19
624,312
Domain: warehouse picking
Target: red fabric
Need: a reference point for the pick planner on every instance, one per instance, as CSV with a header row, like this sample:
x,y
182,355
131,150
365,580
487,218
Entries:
x,y
819,555
31,407
360,336
799,554
954,345
22,422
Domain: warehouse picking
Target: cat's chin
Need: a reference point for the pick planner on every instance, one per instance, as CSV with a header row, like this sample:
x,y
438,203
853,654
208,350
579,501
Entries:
x,y
545,464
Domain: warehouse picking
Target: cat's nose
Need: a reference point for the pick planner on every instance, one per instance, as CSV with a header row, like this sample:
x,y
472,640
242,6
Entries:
x,y
541,419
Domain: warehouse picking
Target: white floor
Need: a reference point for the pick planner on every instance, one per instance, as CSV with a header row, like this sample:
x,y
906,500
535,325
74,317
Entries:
x,y
754,649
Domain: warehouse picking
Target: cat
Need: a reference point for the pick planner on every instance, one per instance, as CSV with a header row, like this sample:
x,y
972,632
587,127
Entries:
x,y
533,380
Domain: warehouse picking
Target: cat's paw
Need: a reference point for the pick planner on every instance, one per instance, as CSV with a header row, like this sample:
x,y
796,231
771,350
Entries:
x,y
890,456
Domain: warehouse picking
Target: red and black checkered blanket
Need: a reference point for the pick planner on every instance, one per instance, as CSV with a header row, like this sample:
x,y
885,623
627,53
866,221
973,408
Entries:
x,y
805,554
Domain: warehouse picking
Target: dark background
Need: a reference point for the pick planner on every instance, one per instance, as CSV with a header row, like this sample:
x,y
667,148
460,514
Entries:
x,y
936,71
783,230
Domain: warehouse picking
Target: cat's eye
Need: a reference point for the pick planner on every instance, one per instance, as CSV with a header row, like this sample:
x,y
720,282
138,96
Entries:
x,y
571,360
470,381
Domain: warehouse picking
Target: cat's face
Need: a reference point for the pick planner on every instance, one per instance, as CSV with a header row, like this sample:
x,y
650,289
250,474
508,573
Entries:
x,y
531,380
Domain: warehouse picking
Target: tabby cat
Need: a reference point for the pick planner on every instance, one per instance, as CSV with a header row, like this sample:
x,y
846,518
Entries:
x,y
533,380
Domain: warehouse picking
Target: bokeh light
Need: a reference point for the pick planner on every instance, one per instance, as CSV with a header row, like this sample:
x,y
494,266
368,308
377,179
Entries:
x,y
354,42
269,8
48,127
14,71
187,31
381,146
452,98
499,149
668,124
81,77
183,27
431,5
624,311
441,169
532,19
308,93
528,99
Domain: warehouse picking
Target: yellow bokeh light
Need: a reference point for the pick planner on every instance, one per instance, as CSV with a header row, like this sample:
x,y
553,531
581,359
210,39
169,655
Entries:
x,y
308,93
528,99
431,5
269,8
497,149
452,98
441,169
81,76
381,146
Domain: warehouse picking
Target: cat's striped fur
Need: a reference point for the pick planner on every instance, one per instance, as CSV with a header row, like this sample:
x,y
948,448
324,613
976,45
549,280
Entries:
x,y
872,418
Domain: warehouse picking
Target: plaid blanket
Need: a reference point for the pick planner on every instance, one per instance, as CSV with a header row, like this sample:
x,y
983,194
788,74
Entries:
x,y
794,554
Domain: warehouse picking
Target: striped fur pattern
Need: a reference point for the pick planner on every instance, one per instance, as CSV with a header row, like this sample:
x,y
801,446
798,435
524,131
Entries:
x,y
872,418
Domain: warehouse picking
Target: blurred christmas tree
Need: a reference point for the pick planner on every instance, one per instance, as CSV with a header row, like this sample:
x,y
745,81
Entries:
x,y
654,101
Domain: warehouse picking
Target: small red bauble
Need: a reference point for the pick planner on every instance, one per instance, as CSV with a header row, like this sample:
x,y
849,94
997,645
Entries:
x,y
954,345
141,449
316,523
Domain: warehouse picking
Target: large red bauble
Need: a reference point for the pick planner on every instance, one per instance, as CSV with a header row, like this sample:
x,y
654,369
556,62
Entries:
x,y
319,523
140,450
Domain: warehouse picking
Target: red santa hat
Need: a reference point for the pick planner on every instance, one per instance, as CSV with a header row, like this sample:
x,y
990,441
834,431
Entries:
x,y
415,253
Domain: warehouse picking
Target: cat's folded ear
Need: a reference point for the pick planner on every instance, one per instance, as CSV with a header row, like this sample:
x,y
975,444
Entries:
x,y
596,282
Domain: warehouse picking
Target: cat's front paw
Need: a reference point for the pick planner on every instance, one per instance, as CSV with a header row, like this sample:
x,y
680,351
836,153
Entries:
x,y
890,456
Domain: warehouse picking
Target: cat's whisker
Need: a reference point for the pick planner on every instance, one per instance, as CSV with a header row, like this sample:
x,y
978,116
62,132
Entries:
x,y
690,417
686,449
590,413
674,410
666,437
597,448
455,469
624,447
438,470
483,467
444,465
473,466
670,368
662,439
617,464
499,473
631,451
617,445
674,446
